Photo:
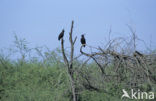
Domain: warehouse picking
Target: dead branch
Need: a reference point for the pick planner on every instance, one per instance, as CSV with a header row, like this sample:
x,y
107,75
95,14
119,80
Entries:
x,y
68,63
92,56
63,53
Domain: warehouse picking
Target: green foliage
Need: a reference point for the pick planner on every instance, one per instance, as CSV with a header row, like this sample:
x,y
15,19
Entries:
x,y
32,82
45,78
36,82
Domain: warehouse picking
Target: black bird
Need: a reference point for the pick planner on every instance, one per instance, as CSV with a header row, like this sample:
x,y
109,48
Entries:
x,y
83,40
61,35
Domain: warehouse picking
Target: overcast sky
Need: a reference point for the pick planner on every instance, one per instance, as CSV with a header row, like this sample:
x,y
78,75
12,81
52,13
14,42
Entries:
x,y
40,21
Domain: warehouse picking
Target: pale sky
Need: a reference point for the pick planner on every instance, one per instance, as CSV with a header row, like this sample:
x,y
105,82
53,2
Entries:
x,y
40,21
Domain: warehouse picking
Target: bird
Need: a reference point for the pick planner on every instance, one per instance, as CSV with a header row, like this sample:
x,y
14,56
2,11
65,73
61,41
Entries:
x,y
61,35
83,40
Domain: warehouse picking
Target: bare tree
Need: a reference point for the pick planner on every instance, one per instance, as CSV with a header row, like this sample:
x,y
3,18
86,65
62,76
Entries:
x,y
128,68
69,63
124,64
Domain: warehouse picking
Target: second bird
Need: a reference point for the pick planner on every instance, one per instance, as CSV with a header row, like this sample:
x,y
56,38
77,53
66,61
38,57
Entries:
x,y
83,40
61,35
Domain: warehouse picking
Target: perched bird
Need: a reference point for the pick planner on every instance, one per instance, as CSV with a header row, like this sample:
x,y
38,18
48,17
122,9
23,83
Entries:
x,y
61,35
83,40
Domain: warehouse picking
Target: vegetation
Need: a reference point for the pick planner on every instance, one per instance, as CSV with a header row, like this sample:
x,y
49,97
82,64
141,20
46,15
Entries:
x,y
38,75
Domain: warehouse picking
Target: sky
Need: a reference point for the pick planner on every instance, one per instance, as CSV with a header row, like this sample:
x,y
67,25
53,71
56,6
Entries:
x,y
41,21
